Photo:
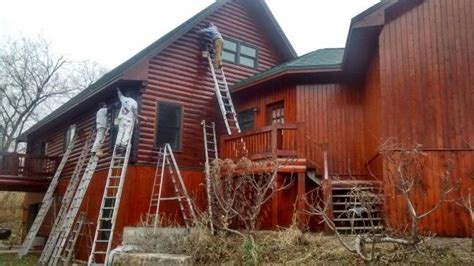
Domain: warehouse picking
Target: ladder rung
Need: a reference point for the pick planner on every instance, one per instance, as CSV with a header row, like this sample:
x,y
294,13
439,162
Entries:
x,y
105,230
99,252
102,241
172,198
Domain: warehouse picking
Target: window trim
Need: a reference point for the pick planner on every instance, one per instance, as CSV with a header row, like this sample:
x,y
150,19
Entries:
x,y
269,111
238,54
181,125
65,142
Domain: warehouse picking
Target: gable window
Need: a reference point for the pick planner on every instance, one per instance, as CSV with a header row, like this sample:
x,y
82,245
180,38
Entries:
x,y
275,113
246,120
240,53
168,125
71,131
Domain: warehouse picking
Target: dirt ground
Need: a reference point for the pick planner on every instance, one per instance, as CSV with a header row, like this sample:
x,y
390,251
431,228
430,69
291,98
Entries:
x,y
277,248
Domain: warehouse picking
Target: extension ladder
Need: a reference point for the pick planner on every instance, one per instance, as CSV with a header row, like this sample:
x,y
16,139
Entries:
x,y
68,252
210,148
68,223
46,203
224,98
110,204
181,194
68,195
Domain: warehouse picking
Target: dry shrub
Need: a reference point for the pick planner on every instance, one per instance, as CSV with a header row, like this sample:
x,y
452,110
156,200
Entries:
x,y
11,214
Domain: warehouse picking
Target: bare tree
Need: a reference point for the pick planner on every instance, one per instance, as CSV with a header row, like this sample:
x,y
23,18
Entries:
x,y
32,82
405,169
466,202
240,190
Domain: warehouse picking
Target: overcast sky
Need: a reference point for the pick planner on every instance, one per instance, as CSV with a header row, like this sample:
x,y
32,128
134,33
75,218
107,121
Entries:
x,y
111,31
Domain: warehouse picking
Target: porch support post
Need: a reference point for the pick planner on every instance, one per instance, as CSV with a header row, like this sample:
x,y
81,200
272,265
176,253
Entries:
x,y
300,204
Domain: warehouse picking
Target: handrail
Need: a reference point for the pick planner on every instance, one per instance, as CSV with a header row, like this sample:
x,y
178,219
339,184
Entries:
x,y
17,164
273,141
259,131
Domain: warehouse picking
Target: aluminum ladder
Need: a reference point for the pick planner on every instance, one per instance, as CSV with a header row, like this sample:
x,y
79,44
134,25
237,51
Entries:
x,y
47,201
180,192
211,154
73,210
110,204
68,252
224,98
68,196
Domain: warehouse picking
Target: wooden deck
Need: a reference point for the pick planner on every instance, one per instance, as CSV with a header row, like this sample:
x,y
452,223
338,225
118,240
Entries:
x,y
28,173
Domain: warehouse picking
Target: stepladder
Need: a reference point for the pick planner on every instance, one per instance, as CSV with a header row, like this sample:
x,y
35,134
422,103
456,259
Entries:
x,y
104,233
66,201
169,186
46,202
211,154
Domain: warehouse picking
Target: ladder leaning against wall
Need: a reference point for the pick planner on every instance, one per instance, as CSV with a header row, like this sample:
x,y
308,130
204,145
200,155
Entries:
x,y
47,201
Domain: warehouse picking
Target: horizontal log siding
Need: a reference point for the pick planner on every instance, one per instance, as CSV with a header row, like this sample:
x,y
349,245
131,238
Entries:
x,y
179,74
332,113
427,91
84,126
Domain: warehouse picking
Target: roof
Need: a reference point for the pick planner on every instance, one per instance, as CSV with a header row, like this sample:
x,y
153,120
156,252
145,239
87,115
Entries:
x,y
329,58
116,74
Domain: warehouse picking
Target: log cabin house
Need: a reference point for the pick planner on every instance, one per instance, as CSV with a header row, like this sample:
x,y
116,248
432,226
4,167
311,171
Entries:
x,y
406,72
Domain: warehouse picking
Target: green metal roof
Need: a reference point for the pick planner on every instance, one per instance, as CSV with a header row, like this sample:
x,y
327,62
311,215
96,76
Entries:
x,y
319,59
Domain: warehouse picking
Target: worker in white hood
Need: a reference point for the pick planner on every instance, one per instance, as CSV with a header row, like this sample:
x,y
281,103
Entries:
x,y
127,117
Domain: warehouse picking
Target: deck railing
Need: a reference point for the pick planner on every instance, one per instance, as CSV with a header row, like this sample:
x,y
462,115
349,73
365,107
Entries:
x,y
16,164
274,141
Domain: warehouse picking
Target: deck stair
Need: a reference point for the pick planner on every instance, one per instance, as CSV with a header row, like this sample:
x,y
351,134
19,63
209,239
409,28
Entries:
x,y
356,206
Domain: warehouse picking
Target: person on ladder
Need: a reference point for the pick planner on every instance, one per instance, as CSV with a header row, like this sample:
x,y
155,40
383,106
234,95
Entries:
x,y
213,34
127,116
101,126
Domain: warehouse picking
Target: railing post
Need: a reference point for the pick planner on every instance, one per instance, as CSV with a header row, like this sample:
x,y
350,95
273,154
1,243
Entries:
x,y
274,142
15,164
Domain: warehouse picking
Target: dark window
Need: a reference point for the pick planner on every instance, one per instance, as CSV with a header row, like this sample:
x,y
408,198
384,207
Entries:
x,y
276,113
168,125
71,131
240,53
246,120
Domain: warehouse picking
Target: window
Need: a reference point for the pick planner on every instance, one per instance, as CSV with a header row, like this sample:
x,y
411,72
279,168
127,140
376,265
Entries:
x,y
246,120
276,113
168,125
71,131
240,53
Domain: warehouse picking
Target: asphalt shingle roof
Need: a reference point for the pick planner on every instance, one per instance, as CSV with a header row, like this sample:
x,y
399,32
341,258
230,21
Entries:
x,y
319,59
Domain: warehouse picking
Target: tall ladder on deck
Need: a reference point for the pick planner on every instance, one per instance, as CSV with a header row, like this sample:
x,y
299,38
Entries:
x,y
110,204
210,148
68,195
66,226
46,203
181,194
224,98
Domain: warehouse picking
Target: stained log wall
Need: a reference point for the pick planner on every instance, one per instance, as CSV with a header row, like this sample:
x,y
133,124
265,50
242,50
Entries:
x,y
179,74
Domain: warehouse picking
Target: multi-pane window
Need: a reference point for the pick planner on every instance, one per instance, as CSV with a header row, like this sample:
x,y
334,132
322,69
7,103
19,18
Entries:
x,y
240,53
71,131
168,125
246,120
276,113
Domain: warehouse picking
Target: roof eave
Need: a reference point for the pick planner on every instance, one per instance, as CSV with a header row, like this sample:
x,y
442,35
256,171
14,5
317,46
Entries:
x,y
286,72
